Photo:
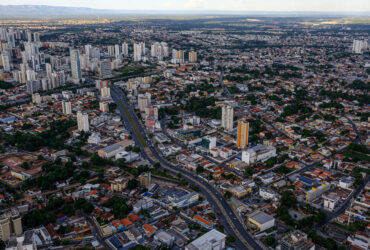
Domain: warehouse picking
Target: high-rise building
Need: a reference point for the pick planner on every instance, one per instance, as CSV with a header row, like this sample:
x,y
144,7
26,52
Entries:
x,y
105,92
125,49
23,67
67,107
104,107
75,64
6,62
30,75
359,46
243,133
227,121
83,121
36,37
117,50
145,179
105,69
159,50
139,50
29,36
144,101
193,57
32,86
111,50
10,222
49,70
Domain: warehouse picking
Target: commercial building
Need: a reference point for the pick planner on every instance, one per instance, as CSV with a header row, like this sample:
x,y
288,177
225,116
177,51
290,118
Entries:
x,y
296,240
165,238
260,221
128,156
258,153
185,200
227,119
267,194
144,203
317,191
330,201
243,133
83,121
213,240
111,150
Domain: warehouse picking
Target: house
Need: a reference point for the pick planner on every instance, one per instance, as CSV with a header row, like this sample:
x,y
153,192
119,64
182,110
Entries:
x,y
149,229
203,222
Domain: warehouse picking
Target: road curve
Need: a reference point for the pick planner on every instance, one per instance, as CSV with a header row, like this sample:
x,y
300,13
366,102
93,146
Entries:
x,y
229,220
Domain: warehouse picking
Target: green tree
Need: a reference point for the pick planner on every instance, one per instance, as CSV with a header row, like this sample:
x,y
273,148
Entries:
x,y
270,240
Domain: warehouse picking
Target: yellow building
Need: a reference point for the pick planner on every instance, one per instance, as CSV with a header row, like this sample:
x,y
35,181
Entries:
x,y
119,184
243,133
240,191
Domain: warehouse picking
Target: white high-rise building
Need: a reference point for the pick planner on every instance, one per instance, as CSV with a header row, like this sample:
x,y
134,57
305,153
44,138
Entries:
x,y
29,36
23,67
87,49
83,121
49,70
212,142
36,37
139,51
227,121
117,50
67,107
6,62
32,86
105,92
75,64
125,49
159,50
104,107
359,46
30,75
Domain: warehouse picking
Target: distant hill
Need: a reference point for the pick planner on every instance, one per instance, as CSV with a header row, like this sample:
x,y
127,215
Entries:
x,y
46,11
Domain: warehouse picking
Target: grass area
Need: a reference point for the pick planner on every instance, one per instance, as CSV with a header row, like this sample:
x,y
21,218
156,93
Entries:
x,y
133,124
352,227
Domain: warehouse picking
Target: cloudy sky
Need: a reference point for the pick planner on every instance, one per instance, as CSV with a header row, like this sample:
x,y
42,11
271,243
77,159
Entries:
x,y
240,5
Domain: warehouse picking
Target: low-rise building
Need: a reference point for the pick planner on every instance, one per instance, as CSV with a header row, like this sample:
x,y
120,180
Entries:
x,y
260,221
213,240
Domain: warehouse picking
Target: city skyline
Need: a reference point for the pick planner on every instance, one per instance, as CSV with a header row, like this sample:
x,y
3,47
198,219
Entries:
x,y
210,5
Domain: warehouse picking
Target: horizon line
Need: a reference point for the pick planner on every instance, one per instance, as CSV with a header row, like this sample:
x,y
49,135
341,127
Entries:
x,y
194,10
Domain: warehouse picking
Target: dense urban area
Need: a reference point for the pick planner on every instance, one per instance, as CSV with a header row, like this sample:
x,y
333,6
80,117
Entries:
x,y
205,133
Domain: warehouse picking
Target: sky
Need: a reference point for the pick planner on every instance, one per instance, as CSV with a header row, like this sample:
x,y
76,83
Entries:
x,y
201,5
